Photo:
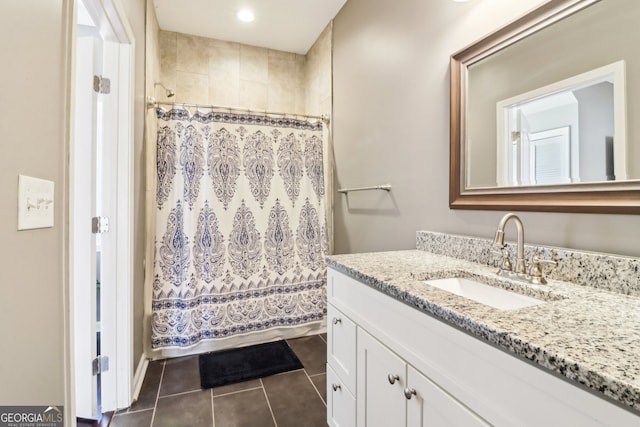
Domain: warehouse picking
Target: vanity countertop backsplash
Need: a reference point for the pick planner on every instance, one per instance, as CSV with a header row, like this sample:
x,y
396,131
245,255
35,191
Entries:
x,y
588,331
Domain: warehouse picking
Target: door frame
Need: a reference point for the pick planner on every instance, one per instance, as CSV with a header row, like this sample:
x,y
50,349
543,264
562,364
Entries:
x,y
114,24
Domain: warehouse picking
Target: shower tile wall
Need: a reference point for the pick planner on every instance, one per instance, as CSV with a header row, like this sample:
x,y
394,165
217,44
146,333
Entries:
x,y
318,83
210,71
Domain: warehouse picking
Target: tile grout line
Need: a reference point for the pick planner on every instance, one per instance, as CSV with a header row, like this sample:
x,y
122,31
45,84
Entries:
x,y
213,414
155,404
238,391
287,372
134,412
315,388
273,417
179,394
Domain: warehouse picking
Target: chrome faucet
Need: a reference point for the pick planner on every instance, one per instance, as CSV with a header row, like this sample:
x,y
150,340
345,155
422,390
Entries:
x,y
499,241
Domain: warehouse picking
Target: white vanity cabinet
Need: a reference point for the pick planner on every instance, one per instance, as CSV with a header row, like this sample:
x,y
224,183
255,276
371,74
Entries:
x,y
341,369
341,404
381,378
341,346
394,393
414,370
430,406
390,391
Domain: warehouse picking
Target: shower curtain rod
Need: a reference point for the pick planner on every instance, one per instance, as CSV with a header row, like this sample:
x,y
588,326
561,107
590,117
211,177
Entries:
x,y
152,103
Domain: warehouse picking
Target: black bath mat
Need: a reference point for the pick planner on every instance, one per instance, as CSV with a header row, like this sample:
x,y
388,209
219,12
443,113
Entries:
x,y
247,363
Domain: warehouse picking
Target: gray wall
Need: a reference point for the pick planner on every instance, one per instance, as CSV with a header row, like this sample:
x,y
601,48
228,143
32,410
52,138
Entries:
x,y
32,142
595,105
391,124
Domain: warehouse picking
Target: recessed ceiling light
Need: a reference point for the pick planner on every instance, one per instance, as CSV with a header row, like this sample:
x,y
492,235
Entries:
x,y
245,15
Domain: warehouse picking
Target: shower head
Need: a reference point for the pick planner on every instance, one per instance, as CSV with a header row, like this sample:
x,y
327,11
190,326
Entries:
x,y
168,92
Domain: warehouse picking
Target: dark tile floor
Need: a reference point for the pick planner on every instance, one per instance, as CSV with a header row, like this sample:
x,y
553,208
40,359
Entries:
x,y
171,395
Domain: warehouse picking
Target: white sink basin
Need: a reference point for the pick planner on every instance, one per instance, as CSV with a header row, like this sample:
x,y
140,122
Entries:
x,y
484,294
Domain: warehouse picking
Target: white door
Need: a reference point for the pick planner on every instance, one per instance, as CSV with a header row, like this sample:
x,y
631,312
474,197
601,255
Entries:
x,y
380,384
100,220
84,267
94,227
549,156
430,406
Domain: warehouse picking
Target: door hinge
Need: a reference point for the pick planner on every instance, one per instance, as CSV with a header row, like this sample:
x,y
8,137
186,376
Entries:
x,y
99,224
101,84
100,364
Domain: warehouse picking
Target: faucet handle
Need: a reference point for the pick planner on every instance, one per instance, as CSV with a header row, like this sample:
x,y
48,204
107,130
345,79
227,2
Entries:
x,y
535,271
506,260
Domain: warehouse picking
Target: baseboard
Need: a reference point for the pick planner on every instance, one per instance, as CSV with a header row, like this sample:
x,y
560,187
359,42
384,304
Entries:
x,y
138,377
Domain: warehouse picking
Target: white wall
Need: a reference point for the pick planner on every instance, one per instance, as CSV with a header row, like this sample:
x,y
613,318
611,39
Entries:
x,y
391,124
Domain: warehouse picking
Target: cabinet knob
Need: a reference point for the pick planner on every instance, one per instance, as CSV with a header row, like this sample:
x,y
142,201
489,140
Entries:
x,y
408,392
336,387
392,378
336,320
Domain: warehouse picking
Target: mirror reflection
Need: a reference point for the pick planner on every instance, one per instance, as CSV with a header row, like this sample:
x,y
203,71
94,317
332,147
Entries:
x,y
565,132
551,108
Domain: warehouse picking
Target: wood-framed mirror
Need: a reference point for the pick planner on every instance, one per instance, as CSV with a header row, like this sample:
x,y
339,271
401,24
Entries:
x,y
544,112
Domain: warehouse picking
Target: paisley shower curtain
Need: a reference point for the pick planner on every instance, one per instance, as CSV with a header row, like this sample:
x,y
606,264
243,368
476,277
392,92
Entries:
x,y
240,234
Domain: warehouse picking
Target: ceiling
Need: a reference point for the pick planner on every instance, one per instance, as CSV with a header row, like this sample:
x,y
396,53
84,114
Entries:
x,y
288,25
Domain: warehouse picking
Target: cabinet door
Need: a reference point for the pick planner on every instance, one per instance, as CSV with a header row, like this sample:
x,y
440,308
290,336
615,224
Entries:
x,y
380,384
341,405
341,346
430,406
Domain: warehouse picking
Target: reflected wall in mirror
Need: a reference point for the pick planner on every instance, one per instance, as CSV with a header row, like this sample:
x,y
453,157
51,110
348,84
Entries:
x,y
539,108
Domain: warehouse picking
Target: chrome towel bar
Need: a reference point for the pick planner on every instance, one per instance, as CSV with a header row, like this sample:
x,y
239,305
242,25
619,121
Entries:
x,y
385,187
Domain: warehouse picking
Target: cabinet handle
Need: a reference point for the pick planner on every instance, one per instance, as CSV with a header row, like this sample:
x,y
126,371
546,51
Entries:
x,y
336,387
392,378
408,392
336,320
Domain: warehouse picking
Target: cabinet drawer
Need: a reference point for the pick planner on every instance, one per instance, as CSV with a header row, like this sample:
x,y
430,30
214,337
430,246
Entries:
x,y
341,346
341,405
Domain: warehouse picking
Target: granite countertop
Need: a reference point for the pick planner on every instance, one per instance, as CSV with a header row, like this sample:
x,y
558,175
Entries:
x,y
584,334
